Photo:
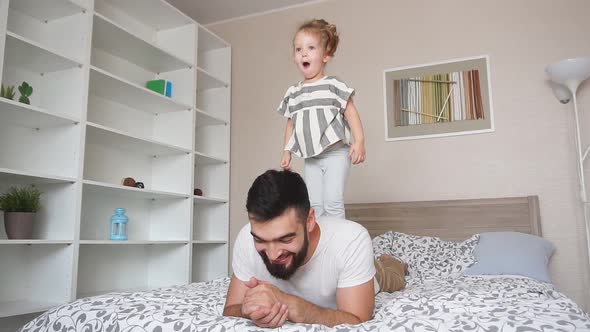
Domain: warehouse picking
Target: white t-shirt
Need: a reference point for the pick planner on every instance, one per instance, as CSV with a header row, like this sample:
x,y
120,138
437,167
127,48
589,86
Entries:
x,y
343,258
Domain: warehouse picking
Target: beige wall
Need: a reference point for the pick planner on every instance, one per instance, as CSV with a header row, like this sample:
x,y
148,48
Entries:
x,y
530,153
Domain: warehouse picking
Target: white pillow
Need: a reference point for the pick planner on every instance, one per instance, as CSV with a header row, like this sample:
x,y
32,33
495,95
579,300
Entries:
x,y
427,257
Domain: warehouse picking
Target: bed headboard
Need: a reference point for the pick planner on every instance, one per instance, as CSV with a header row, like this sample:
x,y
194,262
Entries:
x,y
453,220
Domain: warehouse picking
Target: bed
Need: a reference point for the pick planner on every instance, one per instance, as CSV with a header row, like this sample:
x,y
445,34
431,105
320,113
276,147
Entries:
x,y
444,303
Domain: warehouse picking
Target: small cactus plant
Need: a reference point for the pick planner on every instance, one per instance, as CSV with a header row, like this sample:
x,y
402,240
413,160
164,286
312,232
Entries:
x,y
26,91
7,91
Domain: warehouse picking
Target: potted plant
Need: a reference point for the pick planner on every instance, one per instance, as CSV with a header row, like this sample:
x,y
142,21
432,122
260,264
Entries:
x,y
25,92
20,206
7,91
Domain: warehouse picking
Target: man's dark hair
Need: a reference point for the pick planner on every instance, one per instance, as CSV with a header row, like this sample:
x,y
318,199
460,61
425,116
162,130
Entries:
x,y
274,192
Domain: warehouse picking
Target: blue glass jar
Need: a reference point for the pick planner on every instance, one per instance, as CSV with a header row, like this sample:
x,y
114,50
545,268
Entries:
x,y
119,225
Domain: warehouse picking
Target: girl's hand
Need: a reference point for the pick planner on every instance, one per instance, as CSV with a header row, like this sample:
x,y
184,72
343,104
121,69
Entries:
x,y
286,160
357,153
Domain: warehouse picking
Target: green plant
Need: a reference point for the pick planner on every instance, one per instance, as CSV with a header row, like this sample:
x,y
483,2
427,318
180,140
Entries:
x,y
25,199
7,91
26,91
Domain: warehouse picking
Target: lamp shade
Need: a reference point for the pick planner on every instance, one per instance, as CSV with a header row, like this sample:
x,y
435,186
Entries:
x,y
569,72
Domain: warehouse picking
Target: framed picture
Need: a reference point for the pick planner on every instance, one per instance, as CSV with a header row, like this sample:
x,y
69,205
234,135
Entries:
x,y
447,98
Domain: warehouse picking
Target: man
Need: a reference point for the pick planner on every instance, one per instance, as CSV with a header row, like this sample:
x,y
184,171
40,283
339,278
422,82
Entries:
x,y
288,265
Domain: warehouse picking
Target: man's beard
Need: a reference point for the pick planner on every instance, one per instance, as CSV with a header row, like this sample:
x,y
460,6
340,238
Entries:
x,y
281,271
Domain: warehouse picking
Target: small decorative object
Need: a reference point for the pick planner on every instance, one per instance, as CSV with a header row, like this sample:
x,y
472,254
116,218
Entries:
x,y
7,92
26,91
163,87
139,185
198,192
119,225
20,206
129,182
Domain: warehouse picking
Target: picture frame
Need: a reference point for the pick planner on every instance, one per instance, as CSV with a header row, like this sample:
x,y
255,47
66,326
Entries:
x,y
439,99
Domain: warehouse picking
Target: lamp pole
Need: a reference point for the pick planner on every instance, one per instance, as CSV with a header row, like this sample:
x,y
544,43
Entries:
x,y
569,74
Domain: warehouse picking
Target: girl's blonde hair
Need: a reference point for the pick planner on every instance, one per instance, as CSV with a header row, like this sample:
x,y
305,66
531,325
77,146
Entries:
x,y
327,32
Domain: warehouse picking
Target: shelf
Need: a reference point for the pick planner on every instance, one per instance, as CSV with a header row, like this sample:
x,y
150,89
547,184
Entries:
x,y
30,116
204,159
14,176
209,200
209,41
206,81
24,53
125,129
149,264
116,40
209,242
13,308
47,10
209,261
111,137
206,119
66,242
156,14
102,242
111,189
108,86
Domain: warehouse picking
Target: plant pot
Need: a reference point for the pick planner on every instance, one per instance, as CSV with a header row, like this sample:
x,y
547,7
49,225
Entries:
x,y
19,225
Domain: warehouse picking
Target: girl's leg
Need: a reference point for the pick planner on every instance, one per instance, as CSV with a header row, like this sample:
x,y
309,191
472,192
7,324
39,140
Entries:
x,y
337,163
314,181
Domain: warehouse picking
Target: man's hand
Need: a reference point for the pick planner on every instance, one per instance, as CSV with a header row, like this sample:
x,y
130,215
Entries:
x,y
262,305
247,309
270,318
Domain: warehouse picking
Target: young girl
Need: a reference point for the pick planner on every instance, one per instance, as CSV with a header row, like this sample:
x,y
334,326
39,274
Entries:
x,y
321,116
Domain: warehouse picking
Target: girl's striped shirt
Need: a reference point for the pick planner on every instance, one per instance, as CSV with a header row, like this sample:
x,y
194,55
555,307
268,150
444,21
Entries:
x,y
317,112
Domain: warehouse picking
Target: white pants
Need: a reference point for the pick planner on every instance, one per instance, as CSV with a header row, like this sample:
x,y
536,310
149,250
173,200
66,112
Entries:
x,y
325,176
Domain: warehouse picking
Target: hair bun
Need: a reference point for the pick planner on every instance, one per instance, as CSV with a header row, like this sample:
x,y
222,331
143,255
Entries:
x,y
327,31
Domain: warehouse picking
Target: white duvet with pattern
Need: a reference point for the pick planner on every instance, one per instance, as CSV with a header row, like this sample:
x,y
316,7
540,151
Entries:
x,y
450,304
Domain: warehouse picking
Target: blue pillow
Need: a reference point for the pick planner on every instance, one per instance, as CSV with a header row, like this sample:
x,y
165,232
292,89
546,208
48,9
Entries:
x,y
513,253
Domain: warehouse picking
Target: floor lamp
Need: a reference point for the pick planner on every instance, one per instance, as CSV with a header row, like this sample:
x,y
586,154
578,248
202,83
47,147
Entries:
x,y
566,76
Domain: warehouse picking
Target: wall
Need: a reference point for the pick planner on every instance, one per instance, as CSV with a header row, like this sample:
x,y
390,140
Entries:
x,y
530,153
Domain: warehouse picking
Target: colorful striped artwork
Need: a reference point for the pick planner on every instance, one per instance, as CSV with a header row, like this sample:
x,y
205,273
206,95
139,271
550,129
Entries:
x,y
438,98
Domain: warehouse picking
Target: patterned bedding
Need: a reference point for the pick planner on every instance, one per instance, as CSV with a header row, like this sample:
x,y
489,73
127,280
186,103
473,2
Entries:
x,y
446,304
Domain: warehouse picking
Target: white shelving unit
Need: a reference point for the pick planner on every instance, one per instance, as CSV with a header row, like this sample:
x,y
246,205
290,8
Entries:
x,y
212,157
92,122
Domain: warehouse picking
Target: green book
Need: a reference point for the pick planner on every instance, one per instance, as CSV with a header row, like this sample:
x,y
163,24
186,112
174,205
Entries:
x,y
158,86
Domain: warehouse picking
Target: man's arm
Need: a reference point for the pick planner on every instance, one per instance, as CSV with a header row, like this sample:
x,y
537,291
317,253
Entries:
x,y
354,306
235,296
